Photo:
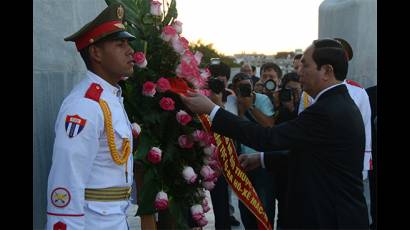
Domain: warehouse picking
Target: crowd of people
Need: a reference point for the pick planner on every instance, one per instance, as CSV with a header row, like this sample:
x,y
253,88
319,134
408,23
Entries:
x,y
307,139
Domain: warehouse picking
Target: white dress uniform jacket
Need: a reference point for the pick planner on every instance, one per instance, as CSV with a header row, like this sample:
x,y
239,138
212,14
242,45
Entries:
x,y
361,99
82,159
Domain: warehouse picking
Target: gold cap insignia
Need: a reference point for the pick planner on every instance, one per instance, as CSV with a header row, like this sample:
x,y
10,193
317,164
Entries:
x,y
120,12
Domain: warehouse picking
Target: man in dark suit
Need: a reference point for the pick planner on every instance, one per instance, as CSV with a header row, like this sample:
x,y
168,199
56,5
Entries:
x,y
326,142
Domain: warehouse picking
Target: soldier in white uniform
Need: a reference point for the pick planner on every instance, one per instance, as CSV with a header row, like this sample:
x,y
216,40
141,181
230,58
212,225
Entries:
x,y
91,174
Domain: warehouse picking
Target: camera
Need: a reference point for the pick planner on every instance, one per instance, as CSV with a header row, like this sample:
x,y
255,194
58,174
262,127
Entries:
x,y
244,90
285,95
217,86
270,85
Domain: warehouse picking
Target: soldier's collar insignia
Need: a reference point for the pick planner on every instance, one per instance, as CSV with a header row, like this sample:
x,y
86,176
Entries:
x,y
120,12
60,197
74,125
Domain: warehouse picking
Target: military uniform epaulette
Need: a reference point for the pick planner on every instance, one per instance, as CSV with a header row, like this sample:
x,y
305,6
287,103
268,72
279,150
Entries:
x,y
94,92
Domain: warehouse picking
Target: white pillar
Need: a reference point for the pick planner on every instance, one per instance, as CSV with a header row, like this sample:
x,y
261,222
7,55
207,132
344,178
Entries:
x,y
356,22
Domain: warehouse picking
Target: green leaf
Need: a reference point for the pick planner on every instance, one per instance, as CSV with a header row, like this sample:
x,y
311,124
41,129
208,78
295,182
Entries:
x,y
148,19
149,190
177,209
145,145
172,13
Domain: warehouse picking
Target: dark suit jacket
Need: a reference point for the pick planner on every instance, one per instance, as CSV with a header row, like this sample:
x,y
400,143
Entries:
x,y
327,142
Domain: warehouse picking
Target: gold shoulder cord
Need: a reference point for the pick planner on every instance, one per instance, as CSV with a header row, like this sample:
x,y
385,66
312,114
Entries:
x,y
126,150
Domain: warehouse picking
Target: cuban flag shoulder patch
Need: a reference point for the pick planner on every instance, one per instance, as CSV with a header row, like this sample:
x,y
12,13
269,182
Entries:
x,y
74,125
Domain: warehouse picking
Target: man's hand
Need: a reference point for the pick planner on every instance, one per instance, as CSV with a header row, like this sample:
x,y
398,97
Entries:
x,y
198,103
244,103
250,161
216,98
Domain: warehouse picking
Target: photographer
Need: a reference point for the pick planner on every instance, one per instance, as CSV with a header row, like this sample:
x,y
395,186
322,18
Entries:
x,y
289,97
220,73
271,76
254,106
259,109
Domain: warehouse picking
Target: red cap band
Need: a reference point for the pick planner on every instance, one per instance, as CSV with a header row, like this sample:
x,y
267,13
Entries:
x,y
90,36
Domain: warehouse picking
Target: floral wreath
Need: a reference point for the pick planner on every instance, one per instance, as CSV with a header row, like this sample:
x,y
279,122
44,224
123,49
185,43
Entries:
x,y
178,156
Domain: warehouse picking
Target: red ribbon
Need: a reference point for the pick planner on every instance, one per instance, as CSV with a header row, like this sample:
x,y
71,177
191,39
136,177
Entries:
x,y
179,86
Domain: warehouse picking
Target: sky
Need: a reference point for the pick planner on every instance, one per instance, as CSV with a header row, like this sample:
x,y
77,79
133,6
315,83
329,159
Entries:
x,y
260,26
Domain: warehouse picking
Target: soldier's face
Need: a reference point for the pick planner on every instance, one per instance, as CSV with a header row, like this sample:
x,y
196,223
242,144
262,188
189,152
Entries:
x,y
116,57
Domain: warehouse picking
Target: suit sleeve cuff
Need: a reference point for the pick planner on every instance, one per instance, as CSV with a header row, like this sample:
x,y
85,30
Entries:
x,y
213,112
262,160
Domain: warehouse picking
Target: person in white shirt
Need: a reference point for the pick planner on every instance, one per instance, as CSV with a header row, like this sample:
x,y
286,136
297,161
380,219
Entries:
x,y
90,180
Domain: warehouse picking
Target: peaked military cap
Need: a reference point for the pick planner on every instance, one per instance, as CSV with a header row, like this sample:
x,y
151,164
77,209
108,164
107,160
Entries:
x,y
347,47
108,24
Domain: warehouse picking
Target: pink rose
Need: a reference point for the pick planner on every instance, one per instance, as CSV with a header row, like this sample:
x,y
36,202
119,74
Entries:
x,y
155,8
168,33
202,222
167,103
154,155
214,164
183,117
189,174
148,89
163,85
198,57
208,185
189,58
177,26
199,135
140,59
161,201
197,212
205,73
185,142
209,150
205,206
202,137
180,44
136,130
207,173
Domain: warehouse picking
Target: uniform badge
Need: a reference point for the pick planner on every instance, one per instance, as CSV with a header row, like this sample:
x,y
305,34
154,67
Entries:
x,y
59,226
120,12
60,197
74,125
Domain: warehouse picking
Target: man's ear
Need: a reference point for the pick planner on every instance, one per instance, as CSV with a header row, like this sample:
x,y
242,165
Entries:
x,y
328,69
95,53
